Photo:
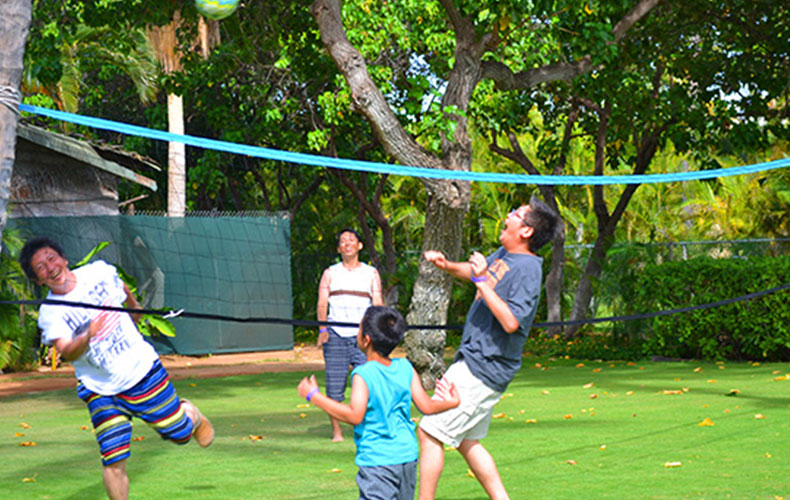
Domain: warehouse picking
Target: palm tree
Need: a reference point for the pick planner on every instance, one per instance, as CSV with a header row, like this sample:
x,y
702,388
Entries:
x,y
165,42
14,27
128,50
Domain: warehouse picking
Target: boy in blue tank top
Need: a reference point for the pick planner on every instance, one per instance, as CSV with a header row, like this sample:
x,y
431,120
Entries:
x,y
382,390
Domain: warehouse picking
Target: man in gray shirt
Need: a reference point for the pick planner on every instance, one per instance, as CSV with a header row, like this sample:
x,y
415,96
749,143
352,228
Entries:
x,y
497,325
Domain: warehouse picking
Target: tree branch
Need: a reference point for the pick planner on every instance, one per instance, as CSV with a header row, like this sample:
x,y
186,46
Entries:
x,y
506,79
365,95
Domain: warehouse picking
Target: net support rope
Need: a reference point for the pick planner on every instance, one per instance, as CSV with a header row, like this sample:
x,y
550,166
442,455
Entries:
x,y
313,323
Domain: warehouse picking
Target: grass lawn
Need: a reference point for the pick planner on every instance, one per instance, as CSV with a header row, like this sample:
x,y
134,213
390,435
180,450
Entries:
x,y
564,430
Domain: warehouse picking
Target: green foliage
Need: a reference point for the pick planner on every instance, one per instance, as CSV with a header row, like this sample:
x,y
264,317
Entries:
x,y
17,323
756,329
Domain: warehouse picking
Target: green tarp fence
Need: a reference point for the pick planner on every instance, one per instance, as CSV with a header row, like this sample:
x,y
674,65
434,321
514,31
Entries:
x,y
231,266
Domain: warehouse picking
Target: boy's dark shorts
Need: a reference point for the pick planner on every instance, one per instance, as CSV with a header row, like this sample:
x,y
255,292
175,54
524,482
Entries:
x,y
387,482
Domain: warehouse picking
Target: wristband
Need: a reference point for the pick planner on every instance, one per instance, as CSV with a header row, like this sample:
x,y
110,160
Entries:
x,y
479,279
323,329
312,393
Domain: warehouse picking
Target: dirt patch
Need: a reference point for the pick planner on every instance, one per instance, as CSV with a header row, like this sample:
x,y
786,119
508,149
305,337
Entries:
x,y
301,358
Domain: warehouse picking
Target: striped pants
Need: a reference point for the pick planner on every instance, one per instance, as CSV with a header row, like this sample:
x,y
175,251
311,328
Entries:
x,y
153,400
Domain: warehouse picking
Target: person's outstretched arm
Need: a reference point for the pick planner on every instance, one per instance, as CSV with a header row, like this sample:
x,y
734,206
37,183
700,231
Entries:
x,y
461,270
352,413
447,396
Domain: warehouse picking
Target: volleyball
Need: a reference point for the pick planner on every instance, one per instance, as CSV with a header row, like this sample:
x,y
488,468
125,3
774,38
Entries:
x,y
216,9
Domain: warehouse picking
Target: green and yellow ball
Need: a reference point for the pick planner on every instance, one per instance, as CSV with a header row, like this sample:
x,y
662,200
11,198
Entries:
x,y
216,9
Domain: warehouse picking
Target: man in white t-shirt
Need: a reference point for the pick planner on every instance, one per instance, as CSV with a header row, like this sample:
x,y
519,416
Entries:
x,y
119,373
345,292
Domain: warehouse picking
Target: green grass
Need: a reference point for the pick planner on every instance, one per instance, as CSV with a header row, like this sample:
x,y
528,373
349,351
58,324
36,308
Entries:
x,y
641,427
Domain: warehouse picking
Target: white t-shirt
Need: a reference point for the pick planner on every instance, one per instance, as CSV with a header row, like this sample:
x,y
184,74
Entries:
x,y
118,356
350,295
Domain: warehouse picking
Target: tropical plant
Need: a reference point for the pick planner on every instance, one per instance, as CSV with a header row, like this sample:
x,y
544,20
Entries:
x,y
17,322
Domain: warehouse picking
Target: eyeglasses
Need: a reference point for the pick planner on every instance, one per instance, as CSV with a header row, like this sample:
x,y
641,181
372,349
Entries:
x,y
522,219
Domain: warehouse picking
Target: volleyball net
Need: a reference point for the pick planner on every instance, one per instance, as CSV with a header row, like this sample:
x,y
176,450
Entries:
x,y
237,271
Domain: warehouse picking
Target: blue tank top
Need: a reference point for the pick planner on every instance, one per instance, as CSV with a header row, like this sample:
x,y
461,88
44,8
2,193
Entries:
x,y
386,435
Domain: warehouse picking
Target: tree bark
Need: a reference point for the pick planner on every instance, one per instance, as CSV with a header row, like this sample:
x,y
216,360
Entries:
x,y
14,27
431,295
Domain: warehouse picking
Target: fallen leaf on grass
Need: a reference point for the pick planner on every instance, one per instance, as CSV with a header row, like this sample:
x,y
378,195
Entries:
x,y
733,392
531,421
571,462
544,391
767,455
18,434
498,415
670,465
139,438
629,393
469,473
303,415
28,443
603,446
335,470
580,365
507,395
84,427
630,363
672,392
29,479
759,416
783,377
567,417
303,405
706,423
587,386
593,396
698,369
254,438
712,381
24,425
193,385
596,370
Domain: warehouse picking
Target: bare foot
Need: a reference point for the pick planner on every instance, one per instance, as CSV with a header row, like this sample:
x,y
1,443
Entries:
x,y
337,439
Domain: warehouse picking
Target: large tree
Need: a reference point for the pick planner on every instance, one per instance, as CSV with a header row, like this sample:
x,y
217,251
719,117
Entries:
x,y
463,44
711,77
14,26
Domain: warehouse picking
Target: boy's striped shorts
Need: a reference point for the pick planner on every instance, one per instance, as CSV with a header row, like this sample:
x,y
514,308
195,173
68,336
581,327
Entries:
x,y
153,400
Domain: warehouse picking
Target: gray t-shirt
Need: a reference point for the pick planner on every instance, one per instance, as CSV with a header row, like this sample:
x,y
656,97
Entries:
x,y
493,355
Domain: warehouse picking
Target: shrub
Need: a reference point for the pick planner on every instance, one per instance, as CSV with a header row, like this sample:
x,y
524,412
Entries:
x,y
756,329
596,346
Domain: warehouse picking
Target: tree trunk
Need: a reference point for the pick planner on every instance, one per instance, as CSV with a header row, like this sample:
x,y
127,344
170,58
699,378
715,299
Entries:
x,y
554,280
584,290
431,295
14,27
